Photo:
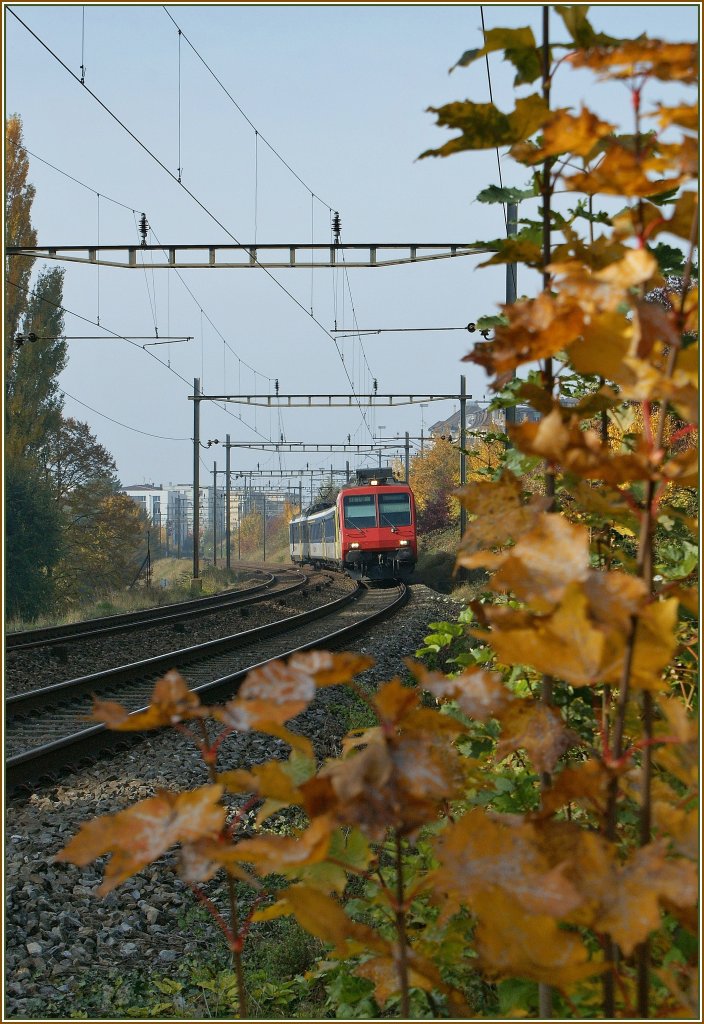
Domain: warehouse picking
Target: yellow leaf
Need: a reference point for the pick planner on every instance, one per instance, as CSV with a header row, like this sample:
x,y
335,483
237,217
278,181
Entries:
x,y
537,328
501,514
515,944
479,852
564,133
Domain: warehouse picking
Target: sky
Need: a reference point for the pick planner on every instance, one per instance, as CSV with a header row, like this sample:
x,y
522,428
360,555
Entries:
x,y
341,93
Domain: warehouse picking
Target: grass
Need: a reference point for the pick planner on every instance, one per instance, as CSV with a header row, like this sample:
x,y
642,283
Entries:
x,y
436,566
176,576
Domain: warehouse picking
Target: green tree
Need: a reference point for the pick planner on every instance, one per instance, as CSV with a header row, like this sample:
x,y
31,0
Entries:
x,y
104,532
32,541
32,403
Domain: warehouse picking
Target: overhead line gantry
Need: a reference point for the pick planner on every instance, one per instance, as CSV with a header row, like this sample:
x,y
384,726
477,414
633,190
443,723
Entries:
x,y
222,256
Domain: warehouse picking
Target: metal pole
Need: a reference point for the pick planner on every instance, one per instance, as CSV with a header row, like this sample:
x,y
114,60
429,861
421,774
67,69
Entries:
x,y
511,283
264,525
215,518
347,471
228,498
408,457
300,496
463,441
421,440
196,475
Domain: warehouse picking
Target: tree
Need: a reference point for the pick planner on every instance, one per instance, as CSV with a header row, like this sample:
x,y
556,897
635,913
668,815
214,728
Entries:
x,y
103,531
32,541
31,397
434,476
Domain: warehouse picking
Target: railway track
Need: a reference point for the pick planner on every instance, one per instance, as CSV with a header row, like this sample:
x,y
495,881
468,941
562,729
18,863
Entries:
x,y
46,732
283,581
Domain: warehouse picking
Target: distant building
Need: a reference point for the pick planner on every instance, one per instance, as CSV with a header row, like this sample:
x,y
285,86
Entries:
x,y
480,419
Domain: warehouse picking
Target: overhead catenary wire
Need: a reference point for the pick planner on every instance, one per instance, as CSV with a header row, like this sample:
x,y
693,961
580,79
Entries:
x,y
135,213
244,115
498,158
198,202
136,430
121,337
173,177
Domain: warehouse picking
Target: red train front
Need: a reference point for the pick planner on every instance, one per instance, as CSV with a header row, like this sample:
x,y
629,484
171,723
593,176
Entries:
x,y
377,527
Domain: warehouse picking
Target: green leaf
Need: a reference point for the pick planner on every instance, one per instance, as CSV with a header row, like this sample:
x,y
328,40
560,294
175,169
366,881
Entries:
x,y
494,194
484,126
581,32
670,260
519,49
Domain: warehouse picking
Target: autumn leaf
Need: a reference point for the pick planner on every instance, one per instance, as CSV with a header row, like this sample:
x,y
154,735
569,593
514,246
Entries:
x,y
479,694
270,695
684,115
678,826
142,833
653,57
537,328
513,943
277,853
562,441
479,852
519,48
624,899
585,783
328,668
564,133
542,564
566,644
171,702
322,915
623,173
501,513
272,781
538,729
393,701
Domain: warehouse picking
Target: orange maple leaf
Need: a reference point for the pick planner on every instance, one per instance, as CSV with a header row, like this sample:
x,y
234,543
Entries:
x,y
171,702
140,834
537,728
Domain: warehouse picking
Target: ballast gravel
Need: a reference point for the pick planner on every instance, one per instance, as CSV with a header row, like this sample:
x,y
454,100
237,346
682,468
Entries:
x,y
66,947
44,666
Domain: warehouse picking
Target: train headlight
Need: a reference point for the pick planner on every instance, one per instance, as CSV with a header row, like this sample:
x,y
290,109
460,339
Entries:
x,y
403,543
354,544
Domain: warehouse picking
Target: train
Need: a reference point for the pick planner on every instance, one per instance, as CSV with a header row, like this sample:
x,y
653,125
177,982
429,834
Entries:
x,y
369,532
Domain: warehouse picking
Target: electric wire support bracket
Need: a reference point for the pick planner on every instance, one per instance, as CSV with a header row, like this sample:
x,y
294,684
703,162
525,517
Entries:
x,y
302,256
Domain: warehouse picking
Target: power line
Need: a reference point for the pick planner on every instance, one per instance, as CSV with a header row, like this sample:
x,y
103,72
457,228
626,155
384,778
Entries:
x,y
241,111
125,425
202,206
173,177
95,192
141,348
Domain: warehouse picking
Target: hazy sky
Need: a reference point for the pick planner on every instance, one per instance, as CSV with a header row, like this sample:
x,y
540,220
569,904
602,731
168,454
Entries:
x,y
341,92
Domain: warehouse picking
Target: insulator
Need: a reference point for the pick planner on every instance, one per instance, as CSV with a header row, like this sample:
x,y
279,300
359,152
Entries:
x,y
471,327
336,226
143,228
276,385
376,385
32,336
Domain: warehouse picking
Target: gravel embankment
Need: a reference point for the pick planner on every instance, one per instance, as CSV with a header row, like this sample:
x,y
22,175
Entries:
x,y
43,666
67,951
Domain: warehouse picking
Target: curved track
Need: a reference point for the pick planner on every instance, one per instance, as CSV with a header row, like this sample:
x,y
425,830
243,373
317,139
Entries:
x,y
45,729
282,581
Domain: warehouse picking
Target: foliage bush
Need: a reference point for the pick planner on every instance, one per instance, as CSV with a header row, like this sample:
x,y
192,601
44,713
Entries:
x,y
523,839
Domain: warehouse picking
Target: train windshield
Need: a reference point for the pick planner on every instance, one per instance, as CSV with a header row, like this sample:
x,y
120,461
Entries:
x,y
360,511
395,509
